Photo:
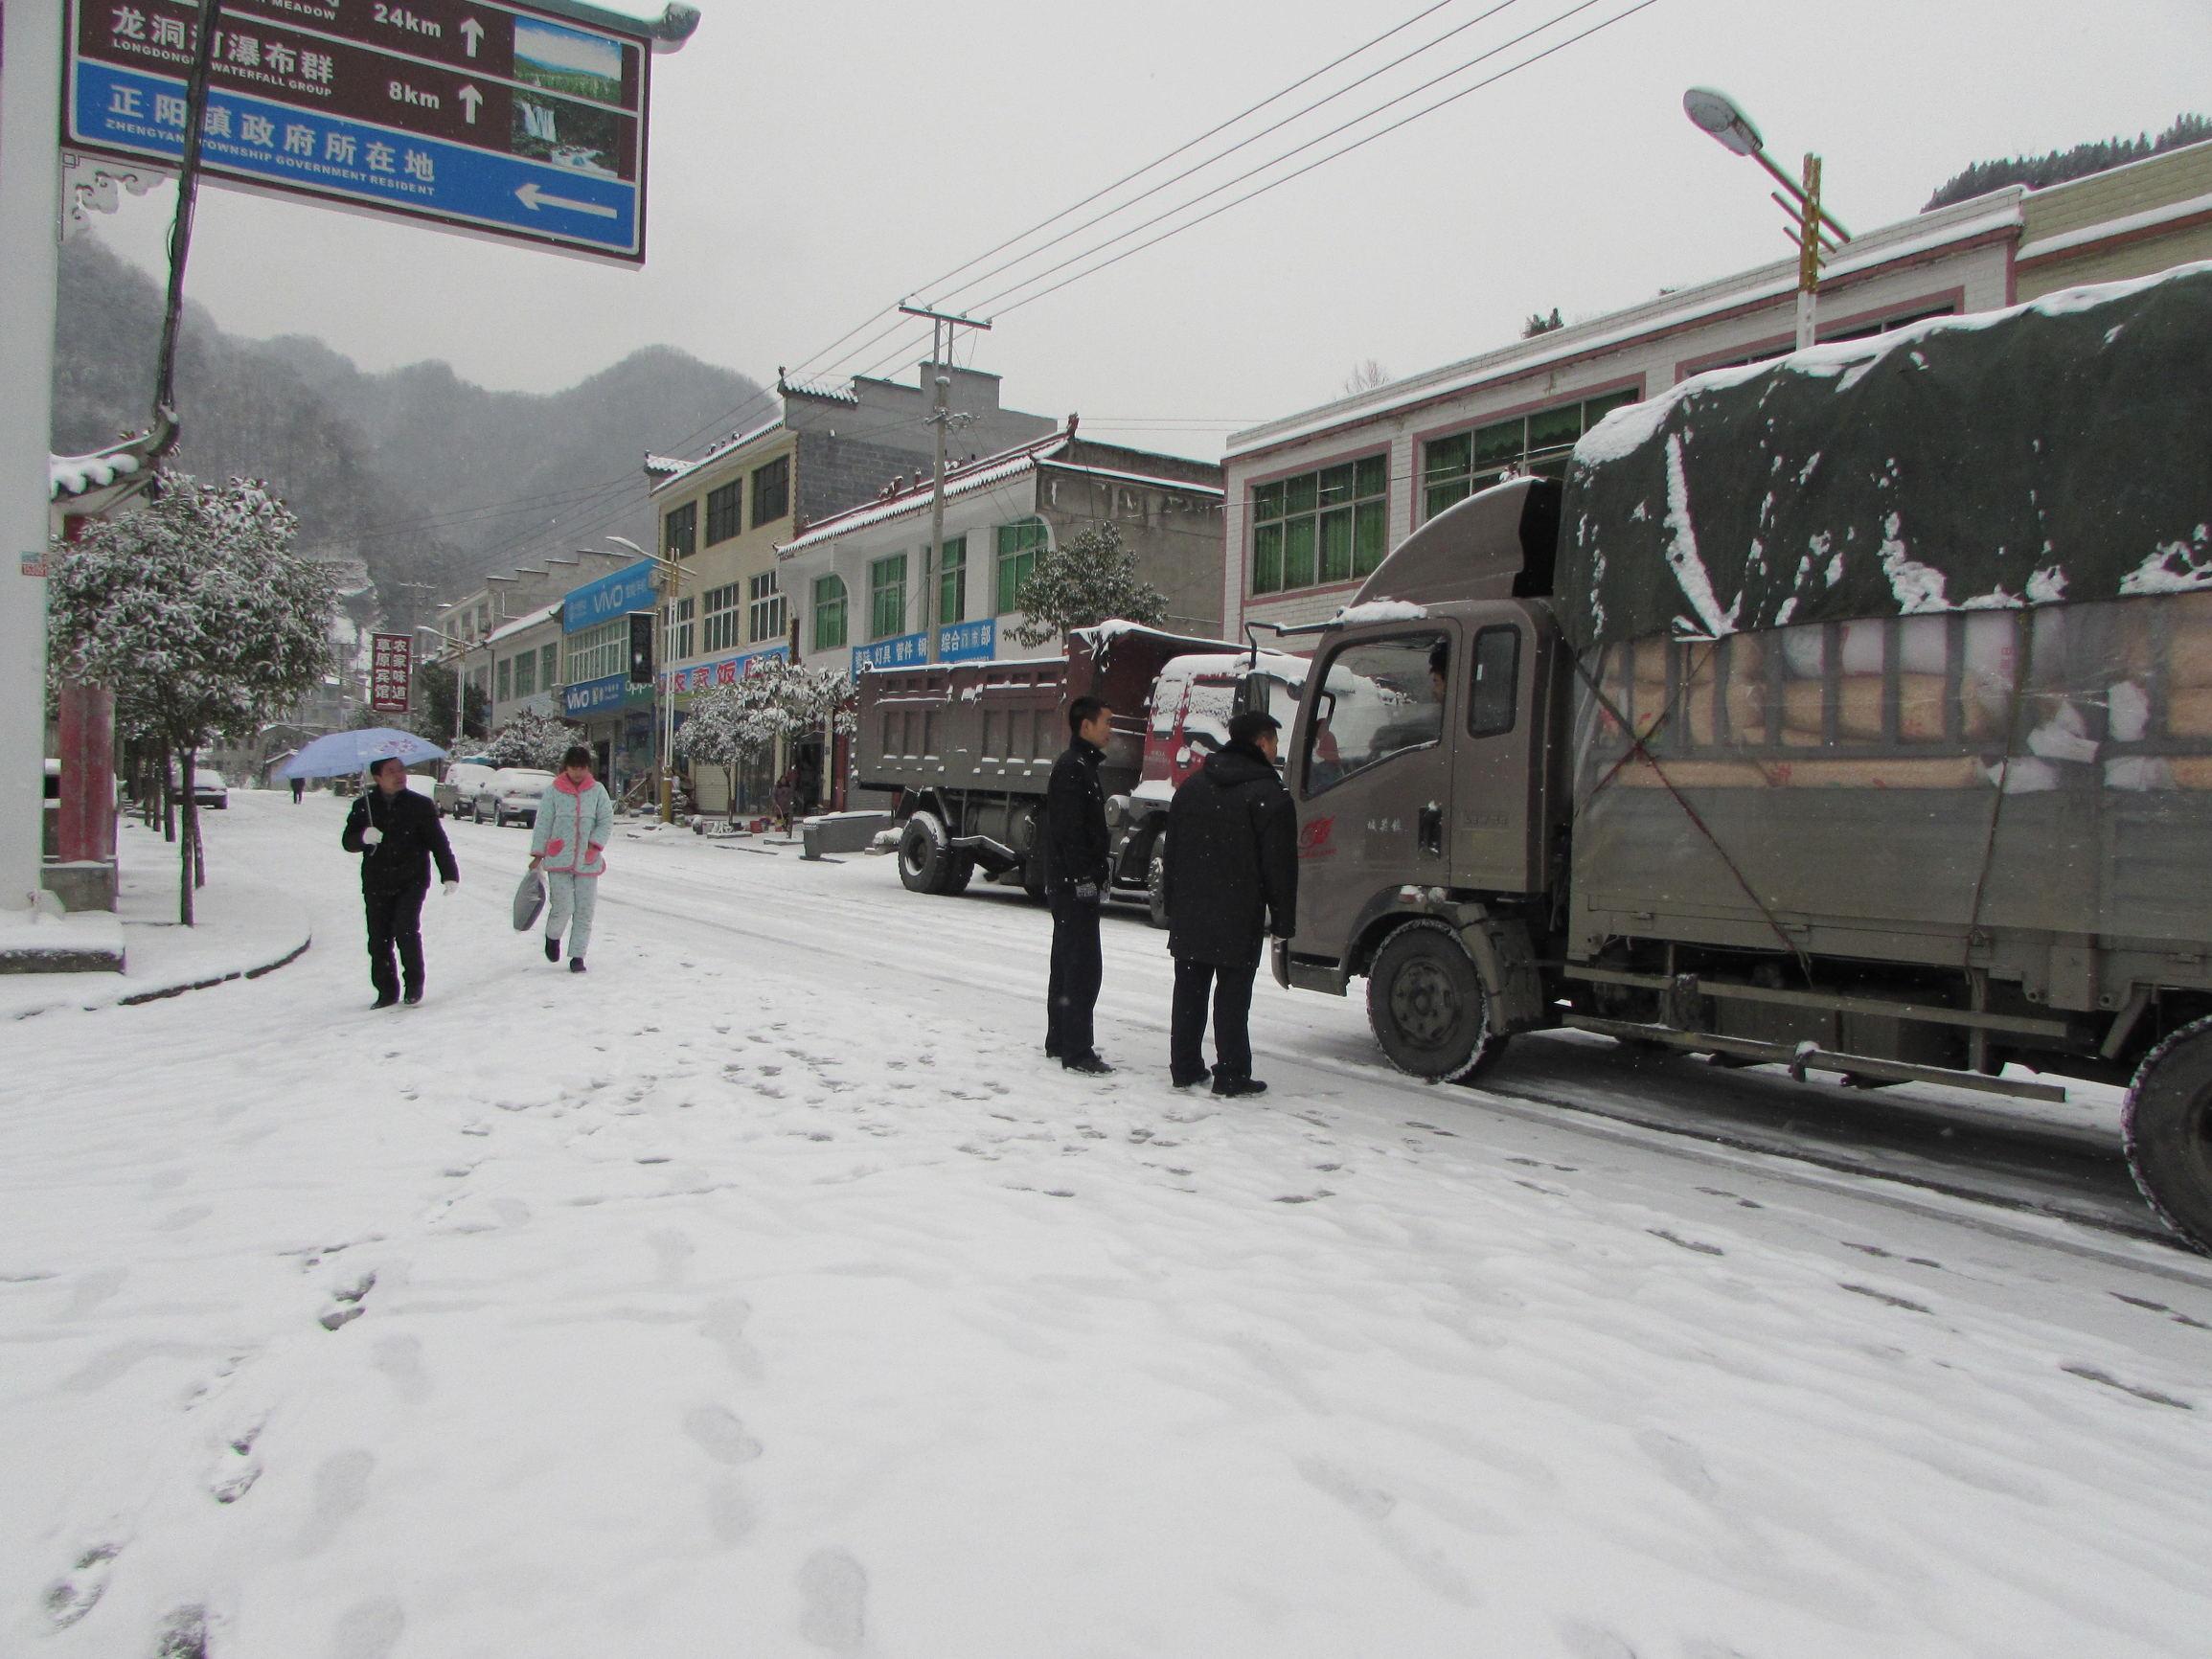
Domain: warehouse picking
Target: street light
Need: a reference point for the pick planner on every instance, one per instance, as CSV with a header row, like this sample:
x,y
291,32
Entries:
x,y
664,680
1815,230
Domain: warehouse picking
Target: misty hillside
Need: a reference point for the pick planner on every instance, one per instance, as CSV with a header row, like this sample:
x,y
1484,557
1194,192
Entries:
x,y
425,476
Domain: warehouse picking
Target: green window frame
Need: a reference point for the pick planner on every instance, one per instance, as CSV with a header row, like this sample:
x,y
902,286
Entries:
x,y
724,510
1539,442
1320,529
526,673
952,582
888,597
549,667
1018,545
506,691
829,608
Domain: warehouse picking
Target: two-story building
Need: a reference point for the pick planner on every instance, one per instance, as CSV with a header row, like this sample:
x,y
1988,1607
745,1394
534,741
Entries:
x,y
721,515
855,578
614,713
525,665
1317,498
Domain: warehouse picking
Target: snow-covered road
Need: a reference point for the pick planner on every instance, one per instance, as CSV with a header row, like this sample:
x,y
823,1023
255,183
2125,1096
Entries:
x,y
763,1291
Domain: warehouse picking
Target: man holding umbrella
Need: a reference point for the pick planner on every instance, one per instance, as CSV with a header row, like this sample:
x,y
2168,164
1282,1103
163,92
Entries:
x,y
397,832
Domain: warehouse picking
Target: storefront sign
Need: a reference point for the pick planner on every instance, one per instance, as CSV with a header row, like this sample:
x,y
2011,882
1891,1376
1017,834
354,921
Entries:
x,y
967,642
597,697
903,652
704,676
478,114
391,666
628,589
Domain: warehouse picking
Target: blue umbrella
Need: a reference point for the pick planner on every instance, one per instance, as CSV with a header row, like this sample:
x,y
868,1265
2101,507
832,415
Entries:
x,y
341,753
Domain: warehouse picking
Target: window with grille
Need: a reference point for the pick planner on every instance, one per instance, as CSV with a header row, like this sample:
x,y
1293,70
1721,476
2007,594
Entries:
x,y
1320,528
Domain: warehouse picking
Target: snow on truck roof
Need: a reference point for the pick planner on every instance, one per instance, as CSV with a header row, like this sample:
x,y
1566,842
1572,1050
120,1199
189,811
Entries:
x,y
2059,449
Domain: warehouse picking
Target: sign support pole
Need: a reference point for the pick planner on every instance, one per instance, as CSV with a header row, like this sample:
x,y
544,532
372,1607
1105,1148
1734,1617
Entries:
x,y
29,247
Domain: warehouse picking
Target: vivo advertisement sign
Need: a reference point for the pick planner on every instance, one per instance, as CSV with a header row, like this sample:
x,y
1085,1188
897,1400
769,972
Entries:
x,y
596,697
628,589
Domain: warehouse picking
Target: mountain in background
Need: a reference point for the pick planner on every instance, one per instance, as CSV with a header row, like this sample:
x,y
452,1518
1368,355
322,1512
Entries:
x,y
424,478
2038,172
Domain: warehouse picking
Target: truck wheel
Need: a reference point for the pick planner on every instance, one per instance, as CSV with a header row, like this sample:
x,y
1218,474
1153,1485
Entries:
x,y
923,854
959,870
1156,881
2167,1126
1428,1007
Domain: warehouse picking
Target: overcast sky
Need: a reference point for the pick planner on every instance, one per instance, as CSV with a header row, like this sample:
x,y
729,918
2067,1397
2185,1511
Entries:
x,y
813,163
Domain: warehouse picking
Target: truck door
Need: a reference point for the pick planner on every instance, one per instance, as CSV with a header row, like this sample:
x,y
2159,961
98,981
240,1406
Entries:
x,y
1495,701
1373,775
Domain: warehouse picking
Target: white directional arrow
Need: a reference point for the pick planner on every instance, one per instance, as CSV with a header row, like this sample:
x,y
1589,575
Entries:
x,y
532,199
470,99
473,32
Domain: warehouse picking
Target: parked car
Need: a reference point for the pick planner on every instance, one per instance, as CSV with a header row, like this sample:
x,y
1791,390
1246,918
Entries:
x,y
464,780
208,787
512,797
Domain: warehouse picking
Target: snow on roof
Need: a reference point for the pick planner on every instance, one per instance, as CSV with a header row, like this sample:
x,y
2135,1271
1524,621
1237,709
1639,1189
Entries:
x,y
1922,234
75,475
547,613
679,469
994,469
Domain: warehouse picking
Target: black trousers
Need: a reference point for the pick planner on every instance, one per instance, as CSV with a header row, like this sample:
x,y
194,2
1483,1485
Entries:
x,y
1232,999
395,920
1078,970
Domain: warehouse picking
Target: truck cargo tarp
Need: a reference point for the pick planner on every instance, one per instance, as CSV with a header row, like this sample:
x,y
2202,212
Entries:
x,y
2057,450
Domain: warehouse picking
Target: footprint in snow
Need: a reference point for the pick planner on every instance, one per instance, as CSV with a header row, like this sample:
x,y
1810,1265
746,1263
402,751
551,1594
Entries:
x,y
369,1630
347,1302
834,1589
73,1595
341,1488
183,1635
399,1357
672,1251
237,1468
719,1433
1678,1460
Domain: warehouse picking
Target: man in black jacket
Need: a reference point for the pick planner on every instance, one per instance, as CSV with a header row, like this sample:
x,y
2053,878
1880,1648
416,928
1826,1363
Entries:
x,y
1231,877
1076,874
397,833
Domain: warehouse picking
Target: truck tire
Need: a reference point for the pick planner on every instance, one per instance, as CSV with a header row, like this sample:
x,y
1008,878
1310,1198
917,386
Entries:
x,y
1427,1007
2167,1128
923,854
959,870
1156,881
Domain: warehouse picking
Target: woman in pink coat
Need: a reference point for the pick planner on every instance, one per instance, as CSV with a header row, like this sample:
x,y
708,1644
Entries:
x,y
575,821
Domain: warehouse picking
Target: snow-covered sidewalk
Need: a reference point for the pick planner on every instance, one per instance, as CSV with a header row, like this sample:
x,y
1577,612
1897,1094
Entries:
x,y
763,1291
244,927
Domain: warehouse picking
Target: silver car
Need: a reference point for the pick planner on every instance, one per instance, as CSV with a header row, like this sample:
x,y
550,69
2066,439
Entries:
x,y
513,796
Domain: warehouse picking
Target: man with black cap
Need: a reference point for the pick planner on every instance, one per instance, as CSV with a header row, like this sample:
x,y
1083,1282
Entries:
x,y
397,833
1076,869
1231,878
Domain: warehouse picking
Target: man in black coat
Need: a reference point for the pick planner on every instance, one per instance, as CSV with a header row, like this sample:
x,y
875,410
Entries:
x,y
1077,869
397,833
1231,878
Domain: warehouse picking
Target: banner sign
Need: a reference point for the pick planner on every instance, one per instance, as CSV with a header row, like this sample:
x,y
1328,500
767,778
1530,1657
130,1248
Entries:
x,y
597,697
967,642
391,667
704,676
903,652
480,115
628,589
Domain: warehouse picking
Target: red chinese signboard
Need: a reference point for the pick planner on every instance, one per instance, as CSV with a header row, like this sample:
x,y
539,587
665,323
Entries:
x,y
391,666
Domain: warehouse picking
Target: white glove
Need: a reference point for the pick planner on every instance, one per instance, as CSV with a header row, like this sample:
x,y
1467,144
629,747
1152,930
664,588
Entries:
x,y
370,836
450,888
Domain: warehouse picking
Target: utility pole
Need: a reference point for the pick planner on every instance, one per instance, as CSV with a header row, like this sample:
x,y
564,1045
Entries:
x,y
941,326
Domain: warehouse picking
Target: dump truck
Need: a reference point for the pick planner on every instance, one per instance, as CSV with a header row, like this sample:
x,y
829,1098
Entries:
x,y
967,748
1851,711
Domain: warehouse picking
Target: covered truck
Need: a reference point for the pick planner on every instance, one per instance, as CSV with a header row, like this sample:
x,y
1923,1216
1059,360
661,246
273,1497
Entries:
x,y
967,748
1852,711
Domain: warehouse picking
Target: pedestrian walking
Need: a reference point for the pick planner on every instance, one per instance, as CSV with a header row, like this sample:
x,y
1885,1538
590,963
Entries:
x,y
298,790
397,833
1076,874
575,822
1231,877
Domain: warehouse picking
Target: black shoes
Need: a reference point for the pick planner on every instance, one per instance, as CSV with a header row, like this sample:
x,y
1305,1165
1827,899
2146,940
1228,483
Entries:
x,y
552,948
1051,1051
414,996
576,964
1184,1080
384,999
1233,1086
1090,1065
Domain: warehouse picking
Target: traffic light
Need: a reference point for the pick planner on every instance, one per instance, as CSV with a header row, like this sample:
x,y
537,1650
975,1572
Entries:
x,y
641,626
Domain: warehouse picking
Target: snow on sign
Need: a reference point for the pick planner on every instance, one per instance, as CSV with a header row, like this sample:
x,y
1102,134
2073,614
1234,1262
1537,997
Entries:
x,y
476,116
391,664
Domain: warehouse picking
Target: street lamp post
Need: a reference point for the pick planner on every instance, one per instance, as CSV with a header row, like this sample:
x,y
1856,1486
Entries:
x,y
460,681
1815,230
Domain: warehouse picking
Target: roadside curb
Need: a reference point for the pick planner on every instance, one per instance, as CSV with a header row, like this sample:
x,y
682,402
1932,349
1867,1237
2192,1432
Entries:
x,y
137,998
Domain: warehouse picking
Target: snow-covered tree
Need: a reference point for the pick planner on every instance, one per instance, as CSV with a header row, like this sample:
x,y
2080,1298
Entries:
x,y
532,738
1089,578
197,615
726,729
733,724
